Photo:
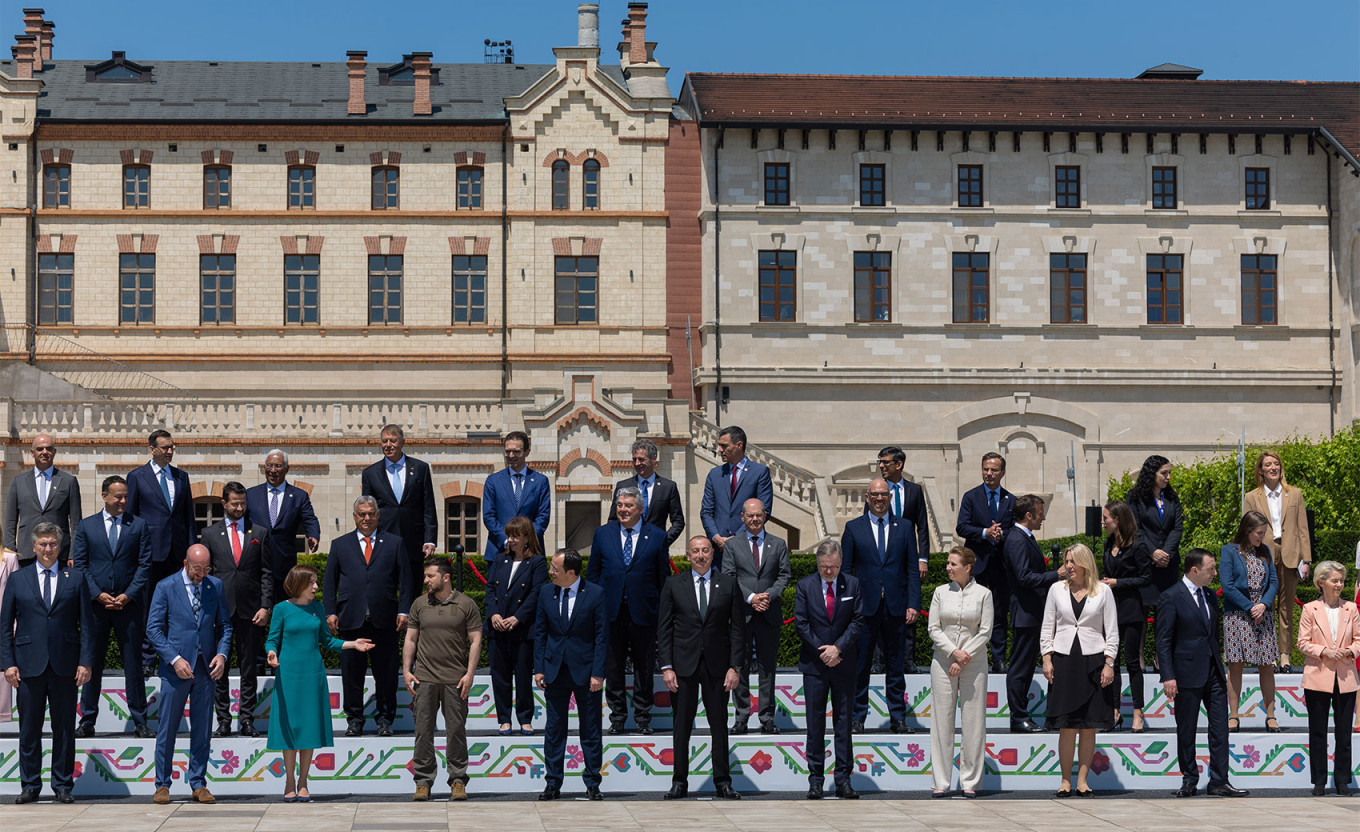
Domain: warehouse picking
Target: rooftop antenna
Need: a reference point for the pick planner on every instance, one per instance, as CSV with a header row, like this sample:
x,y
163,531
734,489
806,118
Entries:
x,y
497,52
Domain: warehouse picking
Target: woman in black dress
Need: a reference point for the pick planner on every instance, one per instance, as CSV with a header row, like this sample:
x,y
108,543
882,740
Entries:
x,y
1128,571
512,586
1157,512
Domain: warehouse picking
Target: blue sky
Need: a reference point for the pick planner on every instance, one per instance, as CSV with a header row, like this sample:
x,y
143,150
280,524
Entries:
x,y
1246,39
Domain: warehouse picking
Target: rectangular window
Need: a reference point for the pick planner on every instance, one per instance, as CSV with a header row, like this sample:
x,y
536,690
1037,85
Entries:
x,y
590,184
1067,186
469,289
1067,288
577,282
1258,189
136,186
464,515
873,286
1165,281
1164,188
776,183
217,186
778,285
871,188
301,186
217,275
56,282
384,288
301,288
970,186
1259,289
385,184
972,290
136,288
561,186
469,188
57,186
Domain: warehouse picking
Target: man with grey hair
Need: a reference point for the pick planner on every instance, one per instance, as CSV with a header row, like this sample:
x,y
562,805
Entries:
x,y
760,563
405,494
46,495
660,497
285,510
365,573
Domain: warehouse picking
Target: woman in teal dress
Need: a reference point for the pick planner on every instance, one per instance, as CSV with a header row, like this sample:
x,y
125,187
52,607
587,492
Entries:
x,y
300,719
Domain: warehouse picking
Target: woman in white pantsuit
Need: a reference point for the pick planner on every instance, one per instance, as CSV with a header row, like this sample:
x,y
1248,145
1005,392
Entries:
x,y
960,626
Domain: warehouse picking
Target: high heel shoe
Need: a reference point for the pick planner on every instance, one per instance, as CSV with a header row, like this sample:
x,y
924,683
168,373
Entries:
x,y
1118,724
1234,724
1273,726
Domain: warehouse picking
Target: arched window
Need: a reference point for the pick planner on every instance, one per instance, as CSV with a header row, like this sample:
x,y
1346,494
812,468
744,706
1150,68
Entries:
x,y
590,183
561,186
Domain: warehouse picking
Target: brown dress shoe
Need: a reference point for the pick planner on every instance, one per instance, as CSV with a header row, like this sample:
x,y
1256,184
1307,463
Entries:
x,y
202,795
459,791
422,793
162,795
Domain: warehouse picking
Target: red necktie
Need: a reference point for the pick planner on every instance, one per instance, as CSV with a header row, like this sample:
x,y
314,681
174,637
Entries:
x,y
368,550
830,602
755,552
235,544
734,480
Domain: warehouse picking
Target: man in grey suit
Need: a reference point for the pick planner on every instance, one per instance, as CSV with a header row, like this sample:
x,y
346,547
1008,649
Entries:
x,y
760,563
44,496
660,497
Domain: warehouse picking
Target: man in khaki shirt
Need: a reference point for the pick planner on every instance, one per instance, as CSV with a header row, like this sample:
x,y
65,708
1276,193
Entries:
x,y
439,661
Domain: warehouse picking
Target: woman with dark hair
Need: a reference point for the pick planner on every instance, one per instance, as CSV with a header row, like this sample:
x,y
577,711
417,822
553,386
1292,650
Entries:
x,y
512,586
1128,572
1157,512
1249,588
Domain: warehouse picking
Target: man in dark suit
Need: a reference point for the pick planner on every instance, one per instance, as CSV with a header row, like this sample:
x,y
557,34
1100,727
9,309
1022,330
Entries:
x,y
45,657
728,487
880,550
828,615
571,640
113,549
368,595
1029,579
47,495
701,641
907,500
514,491
405,493
1189,626
628,561
660,496
189,626
760,563
241,561
286,511
160,494
986,515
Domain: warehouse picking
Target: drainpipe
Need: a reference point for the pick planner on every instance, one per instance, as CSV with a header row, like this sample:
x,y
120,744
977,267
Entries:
x,y
31,255
717,276
1331,338
505,256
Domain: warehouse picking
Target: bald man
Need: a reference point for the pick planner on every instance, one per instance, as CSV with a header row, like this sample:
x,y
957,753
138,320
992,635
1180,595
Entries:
x,y
760,563
42,495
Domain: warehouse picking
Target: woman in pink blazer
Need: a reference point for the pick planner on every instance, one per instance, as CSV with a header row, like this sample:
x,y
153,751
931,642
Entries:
x,y
1329,638
9,562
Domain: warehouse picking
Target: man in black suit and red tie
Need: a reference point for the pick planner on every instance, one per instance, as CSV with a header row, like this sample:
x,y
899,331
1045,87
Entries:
x,y
986,515
286,511
366,571
660,497
405,493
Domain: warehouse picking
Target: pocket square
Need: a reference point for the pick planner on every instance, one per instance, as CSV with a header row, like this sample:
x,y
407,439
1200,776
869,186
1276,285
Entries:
x,y
848,598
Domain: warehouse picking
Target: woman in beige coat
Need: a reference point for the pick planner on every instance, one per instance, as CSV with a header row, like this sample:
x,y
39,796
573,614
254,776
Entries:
x,y
1329,636
960,624
1283,505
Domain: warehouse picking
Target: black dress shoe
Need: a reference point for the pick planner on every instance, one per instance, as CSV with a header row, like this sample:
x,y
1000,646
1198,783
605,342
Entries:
x,y
550,793
814,793
1285,668
593,793
26,796
384,729
143,732
1343,790
149,671
616,728
248,729
769,728
999,667
1226,790
65,796
355,729
1026,727
726,792
84,730
910,667
737,728
1319,790
899,726
846,792
223,730
678,790
1186,790
857,727
645,730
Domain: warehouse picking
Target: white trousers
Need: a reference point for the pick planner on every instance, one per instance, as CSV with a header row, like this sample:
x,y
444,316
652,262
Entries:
x,y
969,689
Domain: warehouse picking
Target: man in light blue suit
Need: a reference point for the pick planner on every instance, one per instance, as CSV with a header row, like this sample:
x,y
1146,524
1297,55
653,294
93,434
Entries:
x,y
191,631
517,490
728,487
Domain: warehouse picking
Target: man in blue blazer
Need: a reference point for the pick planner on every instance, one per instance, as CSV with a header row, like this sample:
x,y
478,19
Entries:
x,y
191,630
571,640
368,594
113,549
828,616
628,559
160,494
285,511
1029,579
518,490
46,650
728,487
880,550
405,493
986,515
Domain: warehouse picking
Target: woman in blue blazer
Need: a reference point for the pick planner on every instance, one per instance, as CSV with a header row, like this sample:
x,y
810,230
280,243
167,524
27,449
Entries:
x,y
1247,574
512,586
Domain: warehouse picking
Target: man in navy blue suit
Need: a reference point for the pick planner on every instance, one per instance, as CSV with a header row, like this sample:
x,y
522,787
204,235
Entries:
x,y
828,615
1029,579
986,515
45,657
191,630
728,487
628,559
113,549
405,493
571,640
285,510
368,595
160,494
908,500
517,490
880,550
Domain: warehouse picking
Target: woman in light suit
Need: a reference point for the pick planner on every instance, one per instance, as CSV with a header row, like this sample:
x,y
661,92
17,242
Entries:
x,y
960,624
1079,639
1290,547
1329,638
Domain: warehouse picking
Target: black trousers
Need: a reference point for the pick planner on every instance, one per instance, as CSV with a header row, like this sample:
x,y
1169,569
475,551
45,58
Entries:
x,y
1342,705
126,626
558,699
840,687
1020,673
627,639
160,570
765,637
1131,646
885,629
1001,606
249,640
512,661
36,694
354,665
1214,697
688,691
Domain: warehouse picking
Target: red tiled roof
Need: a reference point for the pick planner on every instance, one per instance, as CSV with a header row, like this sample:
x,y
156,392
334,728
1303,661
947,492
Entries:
x,y
1112,105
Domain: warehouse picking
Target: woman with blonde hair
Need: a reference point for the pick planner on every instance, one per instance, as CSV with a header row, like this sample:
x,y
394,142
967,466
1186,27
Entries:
x,y
960,626
1329,638
1290,547
1079,639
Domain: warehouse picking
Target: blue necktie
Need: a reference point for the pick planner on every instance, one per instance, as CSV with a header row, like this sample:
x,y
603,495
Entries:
x,y
991,504
113,536
394,468
897,500
165,487
627,547
196,601
274,506
519,489
645,486
882,540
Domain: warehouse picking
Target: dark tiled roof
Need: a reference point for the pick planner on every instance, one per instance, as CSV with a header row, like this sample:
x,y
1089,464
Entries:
x,y
1113,105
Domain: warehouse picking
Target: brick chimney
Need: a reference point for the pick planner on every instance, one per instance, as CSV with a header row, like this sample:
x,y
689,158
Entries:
x,y
33,26
357,66
46,41
25,51
637,33
420,67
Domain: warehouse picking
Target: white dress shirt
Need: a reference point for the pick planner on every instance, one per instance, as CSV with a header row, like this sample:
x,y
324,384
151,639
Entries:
x,y
571,598
636,529
43,480
1275,503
